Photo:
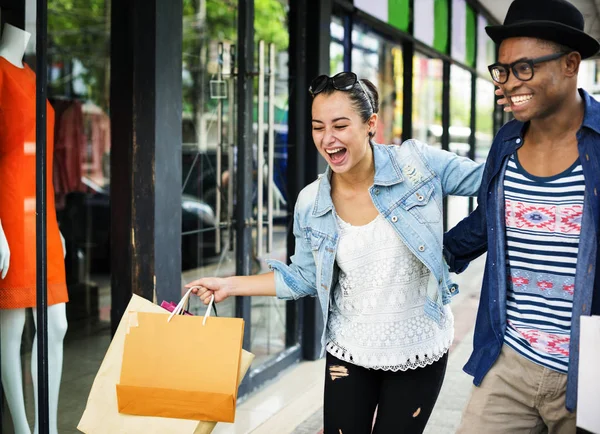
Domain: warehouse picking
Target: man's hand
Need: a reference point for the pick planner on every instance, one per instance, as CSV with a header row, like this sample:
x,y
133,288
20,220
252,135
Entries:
x,y
4,253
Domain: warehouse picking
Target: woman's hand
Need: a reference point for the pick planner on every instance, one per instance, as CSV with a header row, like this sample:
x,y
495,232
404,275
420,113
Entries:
x,y
208,286
503,100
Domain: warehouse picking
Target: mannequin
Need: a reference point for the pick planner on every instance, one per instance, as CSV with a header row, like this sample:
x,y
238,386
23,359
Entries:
x,y
17,232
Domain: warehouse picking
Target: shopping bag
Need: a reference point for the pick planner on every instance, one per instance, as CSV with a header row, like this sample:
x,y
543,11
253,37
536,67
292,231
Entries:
x,y
588,387
170,307
183,367
101,414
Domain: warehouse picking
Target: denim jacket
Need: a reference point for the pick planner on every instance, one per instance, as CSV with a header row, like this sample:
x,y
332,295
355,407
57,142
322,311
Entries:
x,y
409,185
485,230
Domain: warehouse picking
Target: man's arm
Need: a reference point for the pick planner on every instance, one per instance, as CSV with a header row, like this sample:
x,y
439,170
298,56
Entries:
x,y
466,241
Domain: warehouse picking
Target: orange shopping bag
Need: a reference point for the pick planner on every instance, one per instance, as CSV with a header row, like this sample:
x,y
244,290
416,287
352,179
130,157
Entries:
x,y
183,367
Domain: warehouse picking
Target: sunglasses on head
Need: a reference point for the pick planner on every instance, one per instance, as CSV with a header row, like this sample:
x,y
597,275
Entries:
x,y
343,81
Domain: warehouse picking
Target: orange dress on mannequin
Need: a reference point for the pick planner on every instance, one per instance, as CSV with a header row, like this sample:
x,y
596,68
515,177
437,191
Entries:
x,y
17,193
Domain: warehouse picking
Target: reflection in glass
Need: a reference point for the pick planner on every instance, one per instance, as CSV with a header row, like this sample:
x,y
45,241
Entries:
x,y
268,314
336,47
427,100
460,131
380,61
460,110
208,126
210,156
484,112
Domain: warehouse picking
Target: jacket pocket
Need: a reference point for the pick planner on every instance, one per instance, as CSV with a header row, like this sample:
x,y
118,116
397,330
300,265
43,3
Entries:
x,y
315,239
421,204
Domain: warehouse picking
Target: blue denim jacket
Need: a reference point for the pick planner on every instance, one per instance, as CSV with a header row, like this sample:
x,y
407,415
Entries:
x,y
410,183
485,230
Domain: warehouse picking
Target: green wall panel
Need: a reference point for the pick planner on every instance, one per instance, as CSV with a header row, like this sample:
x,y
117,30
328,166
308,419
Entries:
x,y
399,14
470,39
440,37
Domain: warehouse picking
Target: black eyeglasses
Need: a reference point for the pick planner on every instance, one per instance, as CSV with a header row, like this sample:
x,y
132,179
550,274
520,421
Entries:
x,y
343,81
522,69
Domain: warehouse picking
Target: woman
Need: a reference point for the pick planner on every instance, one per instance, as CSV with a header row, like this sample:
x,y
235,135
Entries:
x,y
369,246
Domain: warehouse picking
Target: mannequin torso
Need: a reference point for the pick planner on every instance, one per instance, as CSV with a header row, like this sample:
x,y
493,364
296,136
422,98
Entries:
x,y
13,44
18,186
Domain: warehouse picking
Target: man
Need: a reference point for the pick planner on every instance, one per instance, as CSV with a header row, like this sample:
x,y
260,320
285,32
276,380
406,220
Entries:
x,y
538,218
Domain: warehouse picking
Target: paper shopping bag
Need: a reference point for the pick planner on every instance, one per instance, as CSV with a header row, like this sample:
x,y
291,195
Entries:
x,y
588,387
184,369
101,414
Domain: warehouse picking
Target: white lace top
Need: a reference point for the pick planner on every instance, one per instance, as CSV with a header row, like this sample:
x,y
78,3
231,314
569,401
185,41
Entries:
x,y
377,318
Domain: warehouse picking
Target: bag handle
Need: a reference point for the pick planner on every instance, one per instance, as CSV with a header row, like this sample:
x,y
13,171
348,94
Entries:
x,y
180,306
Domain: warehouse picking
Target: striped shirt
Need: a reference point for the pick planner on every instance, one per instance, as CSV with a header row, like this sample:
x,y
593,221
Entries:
x,y
543,223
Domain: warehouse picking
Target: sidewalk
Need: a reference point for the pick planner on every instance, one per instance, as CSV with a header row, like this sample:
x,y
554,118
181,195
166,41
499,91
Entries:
x,y
293,403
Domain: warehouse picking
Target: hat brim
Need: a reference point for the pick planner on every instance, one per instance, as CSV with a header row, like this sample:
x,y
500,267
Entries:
x,y
573,38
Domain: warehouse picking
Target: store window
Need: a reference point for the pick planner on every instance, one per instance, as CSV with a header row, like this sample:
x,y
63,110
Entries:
x,y
210,155
484,112
460,131
431,23
486,49
78,208
336,46
427,99
380,61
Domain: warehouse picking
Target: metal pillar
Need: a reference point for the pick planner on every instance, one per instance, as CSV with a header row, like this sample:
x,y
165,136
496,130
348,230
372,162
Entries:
x,y
408,55
40,193
243,178
145,92
309,57
446,104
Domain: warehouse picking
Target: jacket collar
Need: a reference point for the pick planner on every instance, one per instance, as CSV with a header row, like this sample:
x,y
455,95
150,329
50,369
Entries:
x,y
591,117
387,172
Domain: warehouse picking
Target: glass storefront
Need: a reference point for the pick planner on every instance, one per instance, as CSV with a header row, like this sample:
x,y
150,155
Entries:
x,y
79,97
460,131
79,93
380,61
428,80
336,46
484,112
210,155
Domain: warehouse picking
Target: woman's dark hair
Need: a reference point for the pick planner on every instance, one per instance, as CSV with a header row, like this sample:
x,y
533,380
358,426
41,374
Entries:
x,y
363,95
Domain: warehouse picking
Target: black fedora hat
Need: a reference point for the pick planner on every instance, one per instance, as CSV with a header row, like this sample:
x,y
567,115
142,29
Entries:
x,y
552,20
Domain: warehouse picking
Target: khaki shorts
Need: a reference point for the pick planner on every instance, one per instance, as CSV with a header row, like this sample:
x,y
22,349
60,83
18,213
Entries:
x,y
518,396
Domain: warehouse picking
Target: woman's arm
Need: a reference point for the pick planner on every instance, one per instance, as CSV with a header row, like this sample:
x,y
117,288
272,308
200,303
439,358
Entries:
x,y
222,288
287,282
459,176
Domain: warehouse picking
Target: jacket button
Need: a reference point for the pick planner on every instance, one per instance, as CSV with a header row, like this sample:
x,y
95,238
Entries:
x,y
518,141
453,289
421,248
394,219
440,281
420,197
376,191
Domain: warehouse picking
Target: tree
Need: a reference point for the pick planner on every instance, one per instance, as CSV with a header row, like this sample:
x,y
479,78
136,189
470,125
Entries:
x,y
79,30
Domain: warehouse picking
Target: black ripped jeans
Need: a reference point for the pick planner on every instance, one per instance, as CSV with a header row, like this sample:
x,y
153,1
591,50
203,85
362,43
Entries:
x,y
404,400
